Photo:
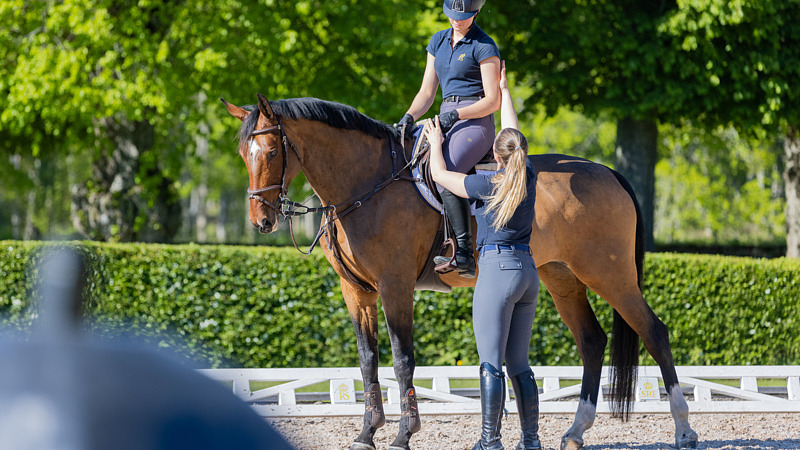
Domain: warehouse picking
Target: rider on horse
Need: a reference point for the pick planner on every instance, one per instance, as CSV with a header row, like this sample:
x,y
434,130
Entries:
x,y
466,63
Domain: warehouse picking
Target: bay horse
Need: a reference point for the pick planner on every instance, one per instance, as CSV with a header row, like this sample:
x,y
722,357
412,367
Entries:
x,y
587,232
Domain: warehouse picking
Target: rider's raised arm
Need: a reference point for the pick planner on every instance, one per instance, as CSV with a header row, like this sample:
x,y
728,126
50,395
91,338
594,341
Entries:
x,y
508,116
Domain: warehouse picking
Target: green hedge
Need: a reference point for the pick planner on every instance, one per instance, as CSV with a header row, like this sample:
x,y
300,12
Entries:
x,y
272,307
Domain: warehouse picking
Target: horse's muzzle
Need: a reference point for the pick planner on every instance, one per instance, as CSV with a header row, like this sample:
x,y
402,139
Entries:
x,y
265,226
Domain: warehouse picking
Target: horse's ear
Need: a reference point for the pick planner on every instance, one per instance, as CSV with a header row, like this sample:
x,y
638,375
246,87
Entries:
x,y
265,108
235,111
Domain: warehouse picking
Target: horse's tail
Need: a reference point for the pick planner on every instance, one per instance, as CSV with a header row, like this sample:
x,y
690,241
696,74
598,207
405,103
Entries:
x,y
625,341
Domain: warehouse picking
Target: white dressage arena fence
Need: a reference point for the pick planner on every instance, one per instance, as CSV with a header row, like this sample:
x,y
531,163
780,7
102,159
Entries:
x,y
702,385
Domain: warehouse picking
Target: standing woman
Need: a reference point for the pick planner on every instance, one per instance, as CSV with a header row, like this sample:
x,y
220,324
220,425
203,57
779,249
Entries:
x,y
466,62
504,301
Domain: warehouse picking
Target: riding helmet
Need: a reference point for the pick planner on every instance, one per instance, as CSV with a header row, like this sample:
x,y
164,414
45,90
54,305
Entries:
x,y
462,9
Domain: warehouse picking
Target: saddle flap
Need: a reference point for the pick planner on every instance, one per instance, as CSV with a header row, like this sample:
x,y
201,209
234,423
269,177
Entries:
x,y
487,163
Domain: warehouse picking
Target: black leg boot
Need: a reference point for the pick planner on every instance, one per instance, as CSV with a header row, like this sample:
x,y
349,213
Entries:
x,y
493,396
527,395
458,212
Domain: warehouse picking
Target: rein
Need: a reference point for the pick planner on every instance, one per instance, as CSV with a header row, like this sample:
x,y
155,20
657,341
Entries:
x,y
287,208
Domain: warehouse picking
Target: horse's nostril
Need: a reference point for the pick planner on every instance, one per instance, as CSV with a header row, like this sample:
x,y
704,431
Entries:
x,y
266,224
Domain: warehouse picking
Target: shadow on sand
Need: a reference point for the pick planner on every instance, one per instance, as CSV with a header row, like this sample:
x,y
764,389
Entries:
x,y
735,444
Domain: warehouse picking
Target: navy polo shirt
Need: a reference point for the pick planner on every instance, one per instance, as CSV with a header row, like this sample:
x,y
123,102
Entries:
x,y
459,68
518,229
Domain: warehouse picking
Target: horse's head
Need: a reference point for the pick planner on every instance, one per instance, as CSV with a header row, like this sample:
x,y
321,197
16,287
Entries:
x,y
264,149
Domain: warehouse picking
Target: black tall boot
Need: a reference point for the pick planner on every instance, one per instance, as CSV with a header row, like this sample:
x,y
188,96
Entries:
x,y
527,395
458,212
493,397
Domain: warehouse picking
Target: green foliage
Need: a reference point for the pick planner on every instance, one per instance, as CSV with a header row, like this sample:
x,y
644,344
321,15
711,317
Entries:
x,y
714,186
270,307
572,133
601,56
741,56
718,186
70,66
727,310
711,61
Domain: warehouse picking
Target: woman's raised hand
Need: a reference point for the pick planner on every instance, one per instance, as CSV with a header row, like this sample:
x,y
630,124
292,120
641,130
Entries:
x,y
503,79
433,132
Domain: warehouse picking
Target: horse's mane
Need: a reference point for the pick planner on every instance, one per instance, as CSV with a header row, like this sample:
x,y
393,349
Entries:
x,y
334,114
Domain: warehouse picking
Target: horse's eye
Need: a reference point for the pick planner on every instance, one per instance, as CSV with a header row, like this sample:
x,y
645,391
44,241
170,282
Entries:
x,y
273,154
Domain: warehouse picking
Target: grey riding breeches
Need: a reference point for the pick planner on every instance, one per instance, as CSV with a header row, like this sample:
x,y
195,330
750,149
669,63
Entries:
x,y
503,308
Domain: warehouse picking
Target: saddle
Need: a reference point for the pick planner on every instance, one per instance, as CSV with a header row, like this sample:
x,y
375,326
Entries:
x,y
444,243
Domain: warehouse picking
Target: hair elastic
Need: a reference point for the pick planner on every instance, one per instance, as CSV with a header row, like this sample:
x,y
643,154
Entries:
x,y
518,148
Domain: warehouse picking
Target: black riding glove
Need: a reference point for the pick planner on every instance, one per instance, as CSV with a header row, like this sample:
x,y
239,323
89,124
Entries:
x,y
448,119
407,120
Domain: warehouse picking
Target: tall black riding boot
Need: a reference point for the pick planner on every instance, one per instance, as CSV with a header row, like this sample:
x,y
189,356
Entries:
x,y
458,212
527,395
493,397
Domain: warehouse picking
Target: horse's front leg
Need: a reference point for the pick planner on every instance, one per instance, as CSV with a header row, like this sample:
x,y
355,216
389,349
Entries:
x,y
363,310
398,306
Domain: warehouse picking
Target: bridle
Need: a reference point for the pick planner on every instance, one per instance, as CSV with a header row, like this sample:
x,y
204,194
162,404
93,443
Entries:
x,y
283,206
255,193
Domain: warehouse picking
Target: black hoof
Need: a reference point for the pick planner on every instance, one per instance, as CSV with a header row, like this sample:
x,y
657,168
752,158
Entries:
x,y
399,445
362,446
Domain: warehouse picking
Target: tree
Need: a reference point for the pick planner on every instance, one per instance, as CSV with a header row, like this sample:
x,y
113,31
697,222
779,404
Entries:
x,y
750,54
712,62
718,186
79,74
714,186
602,58
117,83
359,53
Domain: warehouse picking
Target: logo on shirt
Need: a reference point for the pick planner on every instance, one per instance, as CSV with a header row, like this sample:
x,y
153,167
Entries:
x,y
461,58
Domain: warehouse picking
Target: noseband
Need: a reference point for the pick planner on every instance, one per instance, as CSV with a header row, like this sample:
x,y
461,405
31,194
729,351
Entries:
x,y
255,193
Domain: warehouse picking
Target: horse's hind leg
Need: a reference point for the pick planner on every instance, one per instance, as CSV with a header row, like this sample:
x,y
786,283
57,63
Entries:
x,y
398,306
630,304
363,310
569,296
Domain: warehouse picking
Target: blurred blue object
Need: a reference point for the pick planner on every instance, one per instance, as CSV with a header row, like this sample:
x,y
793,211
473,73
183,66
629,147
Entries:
x,y
61,390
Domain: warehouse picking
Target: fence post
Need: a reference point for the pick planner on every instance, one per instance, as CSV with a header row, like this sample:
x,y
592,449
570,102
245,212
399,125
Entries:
x,y
749,384
793,386
551,384
441,384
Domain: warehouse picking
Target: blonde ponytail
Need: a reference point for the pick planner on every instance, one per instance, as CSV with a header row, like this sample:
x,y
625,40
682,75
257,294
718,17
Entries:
x,y
510,186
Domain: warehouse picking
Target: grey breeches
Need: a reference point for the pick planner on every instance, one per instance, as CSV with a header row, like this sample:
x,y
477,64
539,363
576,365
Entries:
x,y
503,308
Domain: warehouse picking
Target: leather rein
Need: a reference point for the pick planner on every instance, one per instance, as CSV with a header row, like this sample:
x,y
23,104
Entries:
x,y
287,208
